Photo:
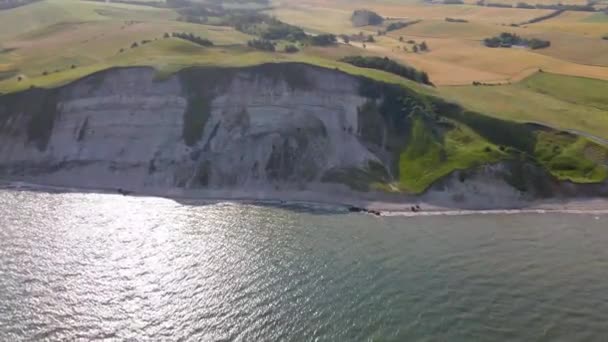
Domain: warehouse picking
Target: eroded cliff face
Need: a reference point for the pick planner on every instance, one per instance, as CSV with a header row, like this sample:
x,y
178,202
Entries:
x,y
250,127
274,127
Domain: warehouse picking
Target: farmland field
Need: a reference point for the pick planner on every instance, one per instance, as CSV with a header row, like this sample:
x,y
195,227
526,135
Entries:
x,y
564,102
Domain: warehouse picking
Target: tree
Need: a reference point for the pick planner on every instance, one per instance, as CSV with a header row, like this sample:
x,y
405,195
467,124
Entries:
x,y
345,39
166,35
134,45
370,39
261,44
291,48
323,40
401,39
415,48
364,46
423,46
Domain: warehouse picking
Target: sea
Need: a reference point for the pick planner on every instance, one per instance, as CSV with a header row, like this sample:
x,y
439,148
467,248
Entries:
x,y
105,267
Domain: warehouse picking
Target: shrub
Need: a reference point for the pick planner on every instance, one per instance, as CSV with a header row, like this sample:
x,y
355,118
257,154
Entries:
x,y
192,38
323,40
559,6
500,5
538,43
524,5
291,49
400,24
544,17
261,44
134,45
455,20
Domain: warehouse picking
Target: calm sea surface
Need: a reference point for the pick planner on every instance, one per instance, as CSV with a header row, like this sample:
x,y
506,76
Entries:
x,y
94,266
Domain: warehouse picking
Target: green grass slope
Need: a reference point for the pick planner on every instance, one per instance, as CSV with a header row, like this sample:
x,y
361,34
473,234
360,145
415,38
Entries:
x,y
563,102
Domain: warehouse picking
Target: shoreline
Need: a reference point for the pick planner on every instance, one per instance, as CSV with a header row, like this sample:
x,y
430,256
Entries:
x,y
313,199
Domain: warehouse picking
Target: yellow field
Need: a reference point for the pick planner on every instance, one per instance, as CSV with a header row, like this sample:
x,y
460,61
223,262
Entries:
x,y
457,55
579,23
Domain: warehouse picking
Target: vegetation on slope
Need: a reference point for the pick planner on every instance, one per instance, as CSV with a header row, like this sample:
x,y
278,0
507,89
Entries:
x,y
432,154
572,158
389,65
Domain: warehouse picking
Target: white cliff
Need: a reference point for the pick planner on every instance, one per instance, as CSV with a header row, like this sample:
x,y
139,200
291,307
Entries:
x,y
123,128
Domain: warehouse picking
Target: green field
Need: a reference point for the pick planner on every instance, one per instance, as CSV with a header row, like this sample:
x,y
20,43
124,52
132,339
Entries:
x,y
564,102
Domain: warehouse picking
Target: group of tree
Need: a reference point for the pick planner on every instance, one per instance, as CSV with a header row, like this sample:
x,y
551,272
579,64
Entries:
x,y
196,12
400,24
363,17
498,4
290,48
507,40
453,2
265,26
422,47
559,6
323,40
277,29
567,7
359,37
390,66
262,44
477,83
456,20
191,37
543,17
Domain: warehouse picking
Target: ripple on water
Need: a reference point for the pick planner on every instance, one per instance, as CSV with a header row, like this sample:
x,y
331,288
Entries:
x,y
94,266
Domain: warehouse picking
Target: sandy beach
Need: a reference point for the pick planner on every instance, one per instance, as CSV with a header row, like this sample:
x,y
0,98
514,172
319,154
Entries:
x,y
385,204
